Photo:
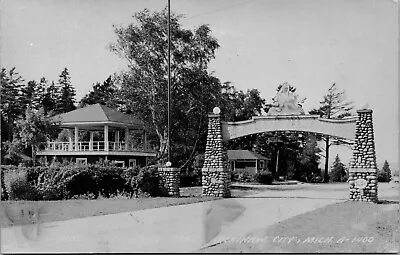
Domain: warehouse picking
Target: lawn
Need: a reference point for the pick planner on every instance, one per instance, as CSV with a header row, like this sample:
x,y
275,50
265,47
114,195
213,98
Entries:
x,y
348,227
50,211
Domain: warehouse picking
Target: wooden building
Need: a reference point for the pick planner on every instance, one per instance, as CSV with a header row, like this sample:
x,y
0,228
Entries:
x,y
103,123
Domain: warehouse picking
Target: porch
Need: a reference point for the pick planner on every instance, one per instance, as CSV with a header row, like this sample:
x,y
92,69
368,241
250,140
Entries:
x,y
99,130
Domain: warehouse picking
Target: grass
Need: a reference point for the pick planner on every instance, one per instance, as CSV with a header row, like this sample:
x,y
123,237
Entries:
x,y
50,211
348,227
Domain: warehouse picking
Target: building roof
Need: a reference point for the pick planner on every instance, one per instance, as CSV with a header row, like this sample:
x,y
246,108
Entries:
x,y
97,114
244,154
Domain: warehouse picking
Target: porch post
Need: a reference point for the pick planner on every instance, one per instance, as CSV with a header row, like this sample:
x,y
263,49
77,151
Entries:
x,y
126,139
117,139
70,135
91,141
106,147
76,138
256,166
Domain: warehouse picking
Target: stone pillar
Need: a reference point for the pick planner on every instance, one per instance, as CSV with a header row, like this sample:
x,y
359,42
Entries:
x,y
169,180
215,172
363,177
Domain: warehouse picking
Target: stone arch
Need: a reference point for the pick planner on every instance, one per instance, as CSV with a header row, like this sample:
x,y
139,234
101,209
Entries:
x,y
362,172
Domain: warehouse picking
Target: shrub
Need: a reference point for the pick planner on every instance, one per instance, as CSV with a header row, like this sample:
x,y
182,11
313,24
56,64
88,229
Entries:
x,y
50,183
79,181
17,186
264,177
190,179
108,179
146,180
245,177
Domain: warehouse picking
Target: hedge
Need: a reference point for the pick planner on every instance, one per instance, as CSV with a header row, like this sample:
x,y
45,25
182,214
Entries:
x,y
66,181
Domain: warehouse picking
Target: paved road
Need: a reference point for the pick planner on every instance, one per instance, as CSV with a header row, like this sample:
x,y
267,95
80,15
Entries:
x,y
173,229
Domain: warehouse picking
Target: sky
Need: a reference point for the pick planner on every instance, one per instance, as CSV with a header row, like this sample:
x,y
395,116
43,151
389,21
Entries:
x,y
309,43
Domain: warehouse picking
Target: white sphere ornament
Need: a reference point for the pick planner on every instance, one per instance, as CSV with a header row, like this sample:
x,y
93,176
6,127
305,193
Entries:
x,y
216,110
168,164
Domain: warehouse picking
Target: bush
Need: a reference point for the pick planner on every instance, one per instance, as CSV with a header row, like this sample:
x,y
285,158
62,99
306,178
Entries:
x,y
109,179
17,186
146,180
50,183
190,179
245,177
264,177
66,181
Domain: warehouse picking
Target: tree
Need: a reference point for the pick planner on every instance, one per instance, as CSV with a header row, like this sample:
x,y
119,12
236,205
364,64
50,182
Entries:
x,y
338,171
32,131
105,93
50,97
308,159
32,95
66,100
144,44
385,174
333,106
10,98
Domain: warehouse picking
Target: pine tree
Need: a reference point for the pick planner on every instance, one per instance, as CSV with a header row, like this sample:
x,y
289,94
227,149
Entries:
x,y
66,100
333,106
385,175
10,98
338,171
50,97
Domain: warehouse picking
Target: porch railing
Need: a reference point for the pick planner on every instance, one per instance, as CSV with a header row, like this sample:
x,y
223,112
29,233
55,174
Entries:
x,y
96,146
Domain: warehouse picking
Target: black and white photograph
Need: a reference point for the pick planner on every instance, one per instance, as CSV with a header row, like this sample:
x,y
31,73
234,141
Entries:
x,y
199,126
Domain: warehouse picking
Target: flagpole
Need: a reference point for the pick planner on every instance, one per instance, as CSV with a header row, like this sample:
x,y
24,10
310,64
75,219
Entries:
x,y
169,81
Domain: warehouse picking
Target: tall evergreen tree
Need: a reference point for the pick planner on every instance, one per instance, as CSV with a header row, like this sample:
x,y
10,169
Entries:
x,y
333,106
10,97
385,174
66,101
308,160
50,97
32,94
338,171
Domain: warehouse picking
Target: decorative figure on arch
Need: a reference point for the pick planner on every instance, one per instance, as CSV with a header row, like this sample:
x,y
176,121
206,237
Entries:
x,y
286,102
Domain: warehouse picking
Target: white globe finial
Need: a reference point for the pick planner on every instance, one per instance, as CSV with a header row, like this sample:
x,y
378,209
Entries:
x,y
216,110
168,164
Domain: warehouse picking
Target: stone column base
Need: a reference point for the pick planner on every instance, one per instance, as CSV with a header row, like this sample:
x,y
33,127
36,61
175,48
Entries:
x,y
216,182
169,180
363,184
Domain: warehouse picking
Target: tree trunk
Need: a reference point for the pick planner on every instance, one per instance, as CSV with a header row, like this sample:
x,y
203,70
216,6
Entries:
x,y
326,174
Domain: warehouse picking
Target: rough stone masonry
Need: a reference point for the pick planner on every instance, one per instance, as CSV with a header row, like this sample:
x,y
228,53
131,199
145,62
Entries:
x,y
215,173
169,180
363,178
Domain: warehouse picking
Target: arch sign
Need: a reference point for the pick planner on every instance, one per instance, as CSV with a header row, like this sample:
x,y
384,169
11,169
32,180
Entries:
x,y
287,114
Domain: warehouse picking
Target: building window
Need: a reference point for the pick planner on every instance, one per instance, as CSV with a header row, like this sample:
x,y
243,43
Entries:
x,y
81,161
119,163
132,162
261,164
